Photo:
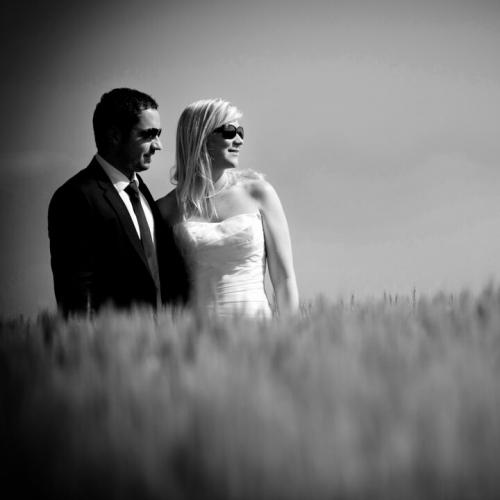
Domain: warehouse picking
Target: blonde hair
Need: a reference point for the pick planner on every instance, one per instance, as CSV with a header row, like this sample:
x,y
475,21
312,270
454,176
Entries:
x,y
193,168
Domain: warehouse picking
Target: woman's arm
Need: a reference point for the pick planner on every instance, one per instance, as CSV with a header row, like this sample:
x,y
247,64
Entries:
x,y
278,247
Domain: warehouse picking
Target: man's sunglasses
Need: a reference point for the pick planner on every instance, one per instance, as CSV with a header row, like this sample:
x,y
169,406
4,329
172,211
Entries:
x,y
230,131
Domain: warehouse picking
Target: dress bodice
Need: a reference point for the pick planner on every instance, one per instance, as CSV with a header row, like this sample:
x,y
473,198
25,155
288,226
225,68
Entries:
x,y
226,262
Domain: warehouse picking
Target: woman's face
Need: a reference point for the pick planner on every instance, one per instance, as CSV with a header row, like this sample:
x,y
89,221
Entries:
x,y
225,152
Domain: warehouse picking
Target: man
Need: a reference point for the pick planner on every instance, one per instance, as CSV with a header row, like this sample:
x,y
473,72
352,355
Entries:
x,y
108,243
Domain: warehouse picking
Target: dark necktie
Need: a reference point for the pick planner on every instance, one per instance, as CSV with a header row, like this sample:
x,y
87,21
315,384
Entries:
x,y
147,242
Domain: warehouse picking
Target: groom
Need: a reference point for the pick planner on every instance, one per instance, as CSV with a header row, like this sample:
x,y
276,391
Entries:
x,y
108,243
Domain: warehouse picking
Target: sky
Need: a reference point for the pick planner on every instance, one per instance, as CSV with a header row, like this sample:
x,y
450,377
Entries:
x,y
376,122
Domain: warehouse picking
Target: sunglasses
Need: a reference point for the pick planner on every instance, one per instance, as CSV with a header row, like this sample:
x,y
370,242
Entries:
x,y
230,131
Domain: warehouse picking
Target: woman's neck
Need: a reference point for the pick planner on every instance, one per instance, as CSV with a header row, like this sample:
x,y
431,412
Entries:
x,y
220,179
220,184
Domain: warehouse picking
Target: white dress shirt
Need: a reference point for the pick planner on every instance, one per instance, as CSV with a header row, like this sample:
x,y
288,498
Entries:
x,y
120,181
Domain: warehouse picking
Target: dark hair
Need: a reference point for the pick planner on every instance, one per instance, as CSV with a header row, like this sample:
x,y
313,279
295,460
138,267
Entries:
x,y
119,108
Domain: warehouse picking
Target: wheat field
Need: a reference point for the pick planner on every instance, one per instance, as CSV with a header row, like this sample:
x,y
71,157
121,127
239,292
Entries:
x,y
377,399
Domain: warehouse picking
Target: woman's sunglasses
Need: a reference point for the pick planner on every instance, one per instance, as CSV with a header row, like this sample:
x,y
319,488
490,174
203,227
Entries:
x,y
230,131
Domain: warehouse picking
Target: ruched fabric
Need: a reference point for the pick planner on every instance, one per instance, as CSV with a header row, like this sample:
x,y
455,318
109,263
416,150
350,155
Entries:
x,y
227,263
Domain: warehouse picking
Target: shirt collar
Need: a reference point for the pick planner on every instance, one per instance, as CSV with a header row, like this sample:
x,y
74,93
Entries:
x,y
119,180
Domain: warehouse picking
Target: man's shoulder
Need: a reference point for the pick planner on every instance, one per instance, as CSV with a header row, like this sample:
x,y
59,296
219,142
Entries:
x,y
77,188
169,208
169,200
87,177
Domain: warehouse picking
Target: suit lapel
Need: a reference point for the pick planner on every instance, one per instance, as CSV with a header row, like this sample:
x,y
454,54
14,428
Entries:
x,y
113,198
159,228
154,210
149,198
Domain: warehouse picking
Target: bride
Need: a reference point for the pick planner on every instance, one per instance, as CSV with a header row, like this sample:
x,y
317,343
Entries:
x,y
228,223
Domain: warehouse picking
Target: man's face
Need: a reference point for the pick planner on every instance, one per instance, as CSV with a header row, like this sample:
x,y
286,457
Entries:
x,y
136,151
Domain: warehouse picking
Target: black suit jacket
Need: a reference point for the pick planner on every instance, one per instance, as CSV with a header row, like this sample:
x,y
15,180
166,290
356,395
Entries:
x,y
96,254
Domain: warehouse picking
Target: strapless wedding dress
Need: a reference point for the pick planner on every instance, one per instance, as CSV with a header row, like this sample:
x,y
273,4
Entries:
x,y
226,262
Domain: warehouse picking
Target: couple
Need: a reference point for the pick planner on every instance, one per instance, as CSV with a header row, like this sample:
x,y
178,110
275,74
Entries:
x,y
206,243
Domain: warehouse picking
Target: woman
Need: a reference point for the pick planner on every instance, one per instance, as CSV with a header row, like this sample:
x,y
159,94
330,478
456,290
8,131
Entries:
x,y
227,222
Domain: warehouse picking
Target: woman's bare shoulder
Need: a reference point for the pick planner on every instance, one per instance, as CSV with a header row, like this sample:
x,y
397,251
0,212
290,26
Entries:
x,y
258,189
252,182
169,208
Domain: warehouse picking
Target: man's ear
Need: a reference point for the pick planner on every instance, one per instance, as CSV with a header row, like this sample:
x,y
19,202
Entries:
x,y
114,136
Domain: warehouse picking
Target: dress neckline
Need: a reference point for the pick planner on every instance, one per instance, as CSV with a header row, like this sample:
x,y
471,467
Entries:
x,y
256,213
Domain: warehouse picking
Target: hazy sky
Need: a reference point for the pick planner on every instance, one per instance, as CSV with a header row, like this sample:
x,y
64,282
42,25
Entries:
x,y
376,121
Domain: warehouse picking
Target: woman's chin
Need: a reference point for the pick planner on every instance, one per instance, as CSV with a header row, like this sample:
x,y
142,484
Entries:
x,y
228,164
